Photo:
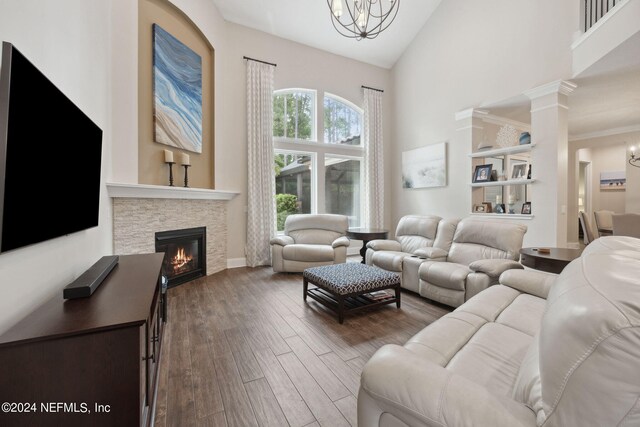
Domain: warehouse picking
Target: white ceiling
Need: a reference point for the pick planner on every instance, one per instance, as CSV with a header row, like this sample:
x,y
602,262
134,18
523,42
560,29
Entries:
x,y
309,22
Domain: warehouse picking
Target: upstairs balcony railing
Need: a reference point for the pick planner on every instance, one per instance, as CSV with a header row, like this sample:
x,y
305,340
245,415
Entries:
x,y
594,10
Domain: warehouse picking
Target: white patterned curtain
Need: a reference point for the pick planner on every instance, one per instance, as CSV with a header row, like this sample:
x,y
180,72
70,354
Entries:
x,y
373,162
261,207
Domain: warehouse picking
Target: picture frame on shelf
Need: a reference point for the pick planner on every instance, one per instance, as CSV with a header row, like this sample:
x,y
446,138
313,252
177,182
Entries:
x,y
526,208
487,207
479,208
482,173
500,208
520,170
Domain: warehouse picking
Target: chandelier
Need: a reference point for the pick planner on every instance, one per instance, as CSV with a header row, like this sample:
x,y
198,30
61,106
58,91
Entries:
x,y
362,19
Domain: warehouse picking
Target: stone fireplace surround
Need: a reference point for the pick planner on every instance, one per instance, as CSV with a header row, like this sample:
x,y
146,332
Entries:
x,y
139,211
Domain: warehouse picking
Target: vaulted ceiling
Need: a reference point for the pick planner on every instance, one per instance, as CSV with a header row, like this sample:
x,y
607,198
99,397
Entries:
x,y
309,22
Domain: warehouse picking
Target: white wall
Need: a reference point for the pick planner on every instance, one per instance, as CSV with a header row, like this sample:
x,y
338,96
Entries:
x,y
632,203
68,41
469,54
298,66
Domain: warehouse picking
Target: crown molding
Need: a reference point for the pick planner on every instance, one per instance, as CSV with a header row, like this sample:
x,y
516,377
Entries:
x,y
563,87
471,112
604,133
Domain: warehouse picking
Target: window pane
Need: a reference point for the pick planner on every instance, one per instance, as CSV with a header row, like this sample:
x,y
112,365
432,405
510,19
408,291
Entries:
x,y
305,111
342,188
293,115
342,123
293,185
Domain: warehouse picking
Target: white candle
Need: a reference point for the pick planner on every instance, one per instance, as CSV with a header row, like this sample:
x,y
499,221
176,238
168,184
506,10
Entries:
x,y
168,156
185,159
498,199
511,199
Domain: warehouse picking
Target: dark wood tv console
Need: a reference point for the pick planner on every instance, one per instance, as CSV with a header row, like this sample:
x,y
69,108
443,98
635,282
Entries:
x,y
88,361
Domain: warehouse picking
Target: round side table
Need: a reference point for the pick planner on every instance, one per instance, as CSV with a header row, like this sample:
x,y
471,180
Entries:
x,y
366,235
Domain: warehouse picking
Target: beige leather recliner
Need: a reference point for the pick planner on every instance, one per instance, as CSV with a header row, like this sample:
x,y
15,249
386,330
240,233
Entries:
x,y
310,241
479,252
535,350
413,232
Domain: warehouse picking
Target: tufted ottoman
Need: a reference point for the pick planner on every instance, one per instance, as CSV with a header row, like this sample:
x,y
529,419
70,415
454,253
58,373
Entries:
x,y
344,288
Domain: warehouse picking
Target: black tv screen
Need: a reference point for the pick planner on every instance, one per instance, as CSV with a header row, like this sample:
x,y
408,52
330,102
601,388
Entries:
x,y
50,158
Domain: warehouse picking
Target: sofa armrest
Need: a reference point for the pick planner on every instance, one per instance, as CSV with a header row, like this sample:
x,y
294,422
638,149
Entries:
x,y
419,392
531,282
433,254
384,245
282,241
494,267
341,241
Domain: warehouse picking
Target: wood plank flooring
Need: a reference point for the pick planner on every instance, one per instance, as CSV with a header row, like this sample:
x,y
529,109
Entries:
x,y
242,348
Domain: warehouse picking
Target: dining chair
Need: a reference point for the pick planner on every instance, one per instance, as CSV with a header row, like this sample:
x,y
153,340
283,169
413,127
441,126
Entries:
x,y
604,222
626,225
586,228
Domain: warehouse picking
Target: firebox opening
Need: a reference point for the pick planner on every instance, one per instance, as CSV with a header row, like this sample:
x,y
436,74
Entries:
x,y
184,251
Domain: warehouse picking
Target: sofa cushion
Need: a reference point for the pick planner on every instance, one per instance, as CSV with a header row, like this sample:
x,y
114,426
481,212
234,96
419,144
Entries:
x,y
314,236
523,314
474,240
444,338
415,231
445,274
389,260
308,253
492,357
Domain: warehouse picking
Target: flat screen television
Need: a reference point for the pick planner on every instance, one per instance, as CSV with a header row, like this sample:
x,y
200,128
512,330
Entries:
x,y
50,158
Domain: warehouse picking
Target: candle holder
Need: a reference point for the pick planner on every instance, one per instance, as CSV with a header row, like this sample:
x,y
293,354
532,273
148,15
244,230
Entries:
x,y
186,175
170,173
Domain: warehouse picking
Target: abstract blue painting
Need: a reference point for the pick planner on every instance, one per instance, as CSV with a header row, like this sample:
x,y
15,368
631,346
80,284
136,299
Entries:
x,y
177,86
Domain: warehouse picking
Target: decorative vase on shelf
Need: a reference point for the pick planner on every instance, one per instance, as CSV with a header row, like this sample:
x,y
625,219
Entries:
x,y
525,138
507,136
511,200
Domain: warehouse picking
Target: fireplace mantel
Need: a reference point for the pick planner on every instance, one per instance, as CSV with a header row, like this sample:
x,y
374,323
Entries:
x,y
143,191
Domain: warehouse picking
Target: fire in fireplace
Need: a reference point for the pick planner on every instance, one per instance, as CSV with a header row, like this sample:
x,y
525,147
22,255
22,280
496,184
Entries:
x,y
185,257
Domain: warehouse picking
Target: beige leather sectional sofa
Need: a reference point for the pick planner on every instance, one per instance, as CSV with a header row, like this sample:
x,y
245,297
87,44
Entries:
x,y
535,350
448,260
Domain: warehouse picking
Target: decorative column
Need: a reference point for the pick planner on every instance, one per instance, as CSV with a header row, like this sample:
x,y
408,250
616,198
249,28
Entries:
x,y
549,130
469,133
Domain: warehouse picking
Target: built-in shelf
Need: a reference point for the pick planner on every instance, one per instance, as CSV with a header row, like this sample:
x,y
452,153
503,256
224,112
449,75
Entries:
x,y
504,151
503,183
502,216
143,191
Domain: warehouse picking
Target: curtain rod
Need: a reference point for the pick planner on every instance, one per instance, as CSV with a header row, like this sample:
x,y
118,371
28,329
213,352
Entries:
x,y
257,60
372,88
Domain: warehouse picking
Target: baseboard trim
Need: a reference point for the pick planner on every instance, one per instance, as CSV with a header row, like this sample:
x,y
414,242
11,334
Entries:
x,y
236,262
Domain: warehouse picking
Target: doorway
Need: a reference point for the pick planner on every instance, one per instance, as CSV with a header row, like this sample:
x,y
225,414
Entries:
x,y
584,193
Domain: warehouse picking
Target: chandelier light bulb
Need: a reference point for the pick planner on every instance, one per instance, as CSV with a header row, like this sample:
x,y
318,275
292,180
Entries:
x,y
336,8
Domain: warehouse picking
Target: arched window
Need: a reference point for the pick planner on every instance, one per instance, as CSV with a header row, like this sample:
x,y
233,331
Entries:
x,y
318,169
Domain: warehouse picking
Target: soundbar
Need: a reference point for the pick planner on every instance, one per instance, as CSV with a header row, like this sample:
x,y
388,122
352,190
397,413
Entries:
x,y
88,282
